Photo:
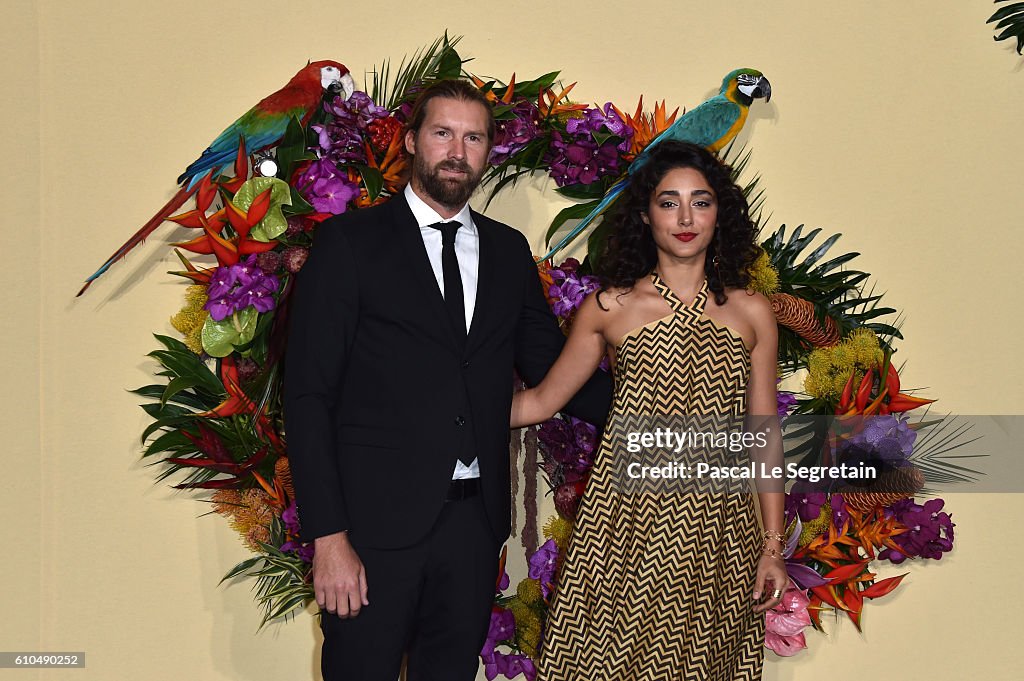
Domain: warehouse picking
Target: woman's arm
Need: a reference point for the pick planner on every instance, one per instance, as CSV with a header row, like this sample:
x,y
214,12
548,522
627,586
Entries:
x,y
762,416
577,362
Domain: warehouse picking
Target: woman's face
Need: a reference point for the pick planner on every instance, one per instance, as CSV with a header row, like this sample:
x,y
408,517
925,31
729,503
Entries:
x,y
682,214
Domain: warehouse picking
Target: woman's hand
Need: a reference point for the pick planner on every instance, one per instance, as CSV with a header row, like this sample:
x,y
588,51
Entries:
x,y
772,579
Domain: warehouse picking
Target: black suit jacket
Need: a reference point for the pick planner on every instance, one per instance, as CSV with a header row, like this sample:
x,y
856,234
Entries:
x,y
378,390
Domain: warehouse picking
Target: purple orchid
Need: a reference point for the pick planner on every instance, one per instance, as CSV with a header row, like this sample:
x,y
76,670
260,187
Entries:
x,y
512,135
929,530
568,447
543,565
840,516
222,281
259,293
504,581
806,505
569,290
501,629
304,551
509,665
236,287
785,402
326,188
340,139
590,149
802,575
332,194
585,434
889,437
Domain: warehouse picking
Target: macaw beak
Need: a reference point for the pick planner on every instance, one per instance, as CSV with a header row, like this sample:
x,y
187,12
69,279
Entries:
x,y
344,85
348,85
762,89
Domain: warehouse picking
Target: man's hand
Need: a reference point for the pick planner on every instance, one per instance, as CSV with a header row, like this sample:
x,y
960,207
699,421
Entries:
x,y
339,579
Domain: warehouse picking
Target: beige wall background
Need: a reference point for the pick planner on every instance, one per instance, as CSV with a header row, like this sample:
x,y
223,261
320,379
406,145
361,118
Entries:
x,y
897,124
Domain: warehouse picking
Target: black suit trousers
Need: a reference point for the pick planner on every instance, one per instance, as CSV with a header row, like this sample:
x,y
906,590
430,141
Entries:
x,y
432,599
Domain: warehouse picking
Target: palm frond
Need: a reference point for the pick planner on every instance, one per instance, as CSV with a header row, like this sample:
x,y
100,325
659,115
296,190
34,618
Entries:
x,y
1009,22
281,586
833,290
436,61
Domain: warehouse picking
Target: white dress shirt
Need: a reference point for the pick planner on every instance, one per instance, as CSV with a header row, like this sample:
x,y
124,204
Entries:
x,y
467,250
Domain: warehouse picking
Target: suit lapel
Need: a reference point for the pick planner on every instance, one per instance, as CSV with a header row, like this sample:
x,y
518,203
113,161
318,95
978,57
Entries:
x,y
414,253
486,283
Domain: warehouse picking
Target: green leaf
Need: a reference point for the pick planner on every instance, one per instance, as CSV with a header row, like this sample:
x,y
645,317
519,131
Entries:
x,y
594,190
372,179
597,240
193,400
299,205
530,89
575,212
171,440
504,112
221,338
273,223
172,343
450,64
1010,18
164,423
241,569
187,363
292,149
177,385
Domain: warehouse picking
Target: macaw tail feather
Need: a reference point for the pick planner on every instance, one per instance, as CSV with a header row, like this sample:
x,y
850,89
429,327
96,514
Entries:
x,y
599,210
176,202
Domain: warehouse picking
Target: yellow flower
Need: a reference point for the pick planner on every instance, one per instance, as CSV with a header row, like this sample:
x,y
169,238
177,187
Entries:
x,y
527,627
248,513
559,529
764,278
529,591
189,321
864,345
828,369
195,294
815,528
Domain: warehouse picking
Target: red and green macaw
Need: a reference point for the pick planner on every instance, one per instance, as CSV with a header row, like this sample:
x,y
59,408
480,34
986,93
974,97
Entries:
x,y
712,124
259,128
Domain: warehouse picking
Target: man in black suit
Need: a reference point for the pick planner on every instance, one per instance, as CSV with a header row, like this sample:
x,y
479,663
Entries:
x,y
406,323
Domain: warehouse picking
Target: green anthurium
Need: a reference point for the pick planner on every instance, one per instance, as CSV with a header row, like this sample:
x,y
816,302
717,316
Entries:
x,y
273,223
220,338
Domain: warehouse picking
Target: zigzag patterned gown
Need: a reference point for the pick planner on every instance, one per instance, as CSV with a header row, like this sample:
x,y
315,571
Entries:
x,y
657,587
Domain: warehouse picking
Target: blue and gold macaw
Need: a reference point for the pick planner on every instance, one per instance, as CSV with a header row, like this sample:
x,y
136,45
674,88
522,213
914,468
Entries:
x,y
713,124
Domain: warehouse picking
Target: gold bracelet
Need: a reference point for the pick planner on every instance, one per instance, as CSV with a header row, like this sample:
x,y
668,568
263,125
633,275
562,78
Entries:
x,y
777,536
769,551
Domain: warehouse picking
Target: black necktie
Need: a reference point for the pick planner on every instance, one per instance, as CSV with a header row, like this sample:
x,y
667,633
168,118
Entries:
x,y
453,297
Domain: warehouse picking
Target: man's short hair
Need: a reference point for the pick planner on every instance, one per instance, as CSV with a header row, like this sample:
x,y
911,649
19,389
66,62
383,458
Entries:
x,y
452,88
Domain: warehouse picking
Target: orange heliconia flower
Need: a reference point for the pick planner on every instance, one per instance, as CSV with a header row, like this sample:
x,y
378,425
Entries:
x,y
550,104
646,126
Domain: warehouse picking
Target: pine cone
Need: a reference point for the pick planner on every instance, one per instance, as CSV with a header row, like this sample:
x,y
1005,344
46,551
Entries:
x,y
797,315
892,486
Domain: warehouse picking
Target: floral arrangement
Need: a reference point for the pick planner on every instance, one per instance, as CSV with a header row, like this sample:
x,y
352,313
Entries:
x,y
216,408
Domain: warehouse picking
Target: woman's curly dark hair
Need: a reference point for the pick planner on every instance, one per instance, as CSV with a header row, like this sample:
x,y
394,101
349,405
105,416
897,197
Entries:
x,y
630,252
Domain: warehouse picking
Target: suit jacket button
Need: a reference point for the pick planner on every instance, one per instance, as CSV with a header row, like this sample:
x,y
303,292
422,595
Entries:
x,y
465,365
459,421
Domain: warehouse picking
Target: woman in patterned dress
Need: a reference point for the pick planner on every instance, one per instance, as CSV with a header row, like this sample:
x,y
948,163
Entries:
x,y
669,585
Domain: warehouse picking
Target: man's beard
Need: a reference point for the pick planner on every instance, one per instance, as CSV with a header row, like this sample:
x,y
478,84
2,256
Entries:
x,y
449,192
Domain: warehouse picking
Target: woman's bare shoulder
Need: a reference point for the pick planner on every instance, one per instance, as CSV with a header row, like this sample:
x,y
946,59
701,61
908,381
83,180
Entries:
x,y
750,302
